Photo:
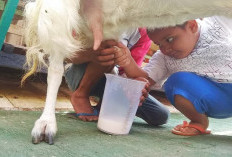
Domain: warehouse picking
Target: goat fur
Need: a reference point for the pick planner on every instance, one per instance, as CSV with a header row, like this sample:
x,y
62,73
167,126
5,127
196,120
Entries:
x,y
50,24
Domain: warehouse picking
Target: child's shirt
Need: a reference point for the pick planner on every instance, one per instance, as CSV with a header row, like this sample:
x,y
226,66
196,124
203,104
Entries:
x,y
211,57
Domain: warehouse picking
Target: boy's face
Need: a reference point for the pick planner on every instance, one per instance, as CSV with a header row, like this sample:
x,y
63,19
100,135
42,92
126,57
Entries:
x,y
176,42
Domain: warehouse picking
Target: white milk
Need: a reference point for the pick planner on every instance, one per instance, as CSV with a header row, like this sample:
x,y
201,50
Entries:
x,y
113,127
119,105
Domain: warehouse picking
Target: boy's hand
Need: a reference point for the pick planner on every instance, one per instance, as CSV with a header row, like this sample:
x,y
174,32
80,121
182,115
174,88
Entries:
x,y
105,55
121,53
145,91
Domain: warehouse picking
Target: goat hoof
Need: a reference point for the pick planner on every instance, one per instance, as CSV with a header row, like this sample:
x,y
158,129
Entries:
x,y
44,130
42,137
49,139
35,140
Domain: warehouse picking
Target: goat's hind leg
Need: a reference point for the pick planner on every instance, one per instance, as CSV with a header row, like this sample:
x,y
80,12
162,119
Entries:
x,y
45,127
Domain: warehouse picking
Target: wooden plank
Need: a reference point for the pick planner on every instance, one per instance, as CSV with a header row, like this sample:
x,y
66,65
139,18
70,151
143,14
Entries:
x,y
63,97
21,98
5,103
31,96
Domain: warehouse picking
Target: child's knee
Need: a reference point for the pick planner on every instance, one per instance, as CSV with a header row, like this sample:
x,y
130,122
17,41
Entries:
x,y
177,81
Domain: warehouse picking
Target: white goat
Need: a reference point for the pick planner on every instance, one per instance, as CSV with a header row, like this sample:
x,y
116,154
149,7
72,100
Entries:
x,y
50,24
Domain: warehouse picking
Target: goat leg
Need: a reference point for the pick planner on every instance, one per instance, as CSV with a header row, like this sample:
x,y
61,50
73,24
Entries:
x,y
45,127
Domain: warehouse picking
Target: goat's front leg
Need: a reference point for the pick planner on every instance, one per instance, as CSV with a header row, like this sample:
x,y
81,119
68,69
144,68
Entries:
x,y
45,127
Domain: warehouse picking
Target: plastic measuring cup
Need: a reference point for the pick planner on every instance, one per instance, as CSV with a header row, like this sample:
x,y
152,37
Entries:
x,y
119,105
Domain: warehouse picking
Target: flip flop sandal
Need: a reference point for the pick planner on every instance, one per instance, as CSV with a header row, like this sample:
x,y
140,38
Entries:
x,y
201,131
76,115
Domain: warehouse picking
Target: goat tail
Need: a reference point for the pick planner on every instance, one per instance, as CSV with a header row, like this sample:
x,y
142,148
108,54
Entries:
x,y
35,59
34,55
30,72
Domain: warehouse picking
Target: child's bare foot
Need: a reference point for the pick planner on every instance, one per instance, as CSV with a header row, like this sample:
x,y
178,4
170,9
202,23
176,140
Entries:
x,y
82,105
190,129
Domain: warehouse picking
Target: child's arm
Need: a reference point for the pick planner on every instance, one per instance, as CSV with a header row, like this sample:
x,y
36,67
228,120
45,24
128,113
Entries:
x,y
124,59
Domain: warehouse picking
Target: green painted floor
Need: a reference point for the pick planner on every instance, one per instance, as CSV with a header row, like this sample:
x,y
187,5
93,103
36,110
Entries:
x,y
76,138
